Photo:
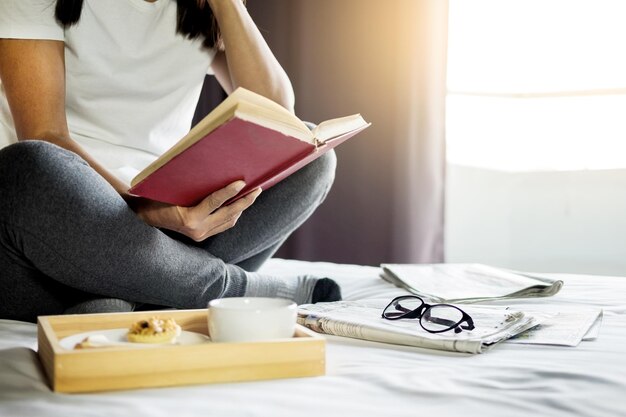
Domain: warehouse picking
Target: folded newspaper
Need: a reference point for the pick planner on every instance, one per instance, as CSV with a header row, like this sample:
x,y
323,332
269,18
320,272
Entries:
x,y
362,320
467,283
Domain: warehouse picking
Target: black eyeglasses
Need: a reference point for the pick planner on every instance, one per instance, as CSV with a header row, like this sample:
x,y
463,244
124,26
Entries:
x,y
436,318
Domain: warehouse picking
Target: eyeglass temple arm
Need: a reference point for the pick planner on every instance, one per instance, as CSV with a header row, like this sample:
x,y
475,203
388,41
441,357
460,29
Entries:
x,y
469,323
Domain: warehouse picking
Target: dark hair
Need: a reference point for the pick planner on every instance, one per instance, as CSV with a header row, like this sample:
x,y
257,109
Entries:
x,y
192,21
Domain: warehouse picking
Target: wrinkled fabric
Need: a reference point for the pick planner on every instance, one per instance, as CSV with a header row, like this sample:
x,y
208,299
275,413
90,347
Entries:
x,y
372,379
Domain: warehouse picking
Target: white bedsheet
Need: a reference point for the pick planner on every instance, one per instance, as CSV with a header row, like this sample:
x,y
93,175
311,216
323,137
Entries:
x,y
371,379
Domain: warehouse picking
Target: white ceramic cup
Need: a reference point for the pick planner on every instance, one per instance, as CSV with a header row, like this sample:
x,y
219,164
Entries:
x,y
247,319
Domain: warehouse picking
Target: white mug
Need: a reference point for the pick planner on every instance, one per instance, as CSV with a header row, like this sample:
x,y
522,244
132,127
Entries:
x,y
247,319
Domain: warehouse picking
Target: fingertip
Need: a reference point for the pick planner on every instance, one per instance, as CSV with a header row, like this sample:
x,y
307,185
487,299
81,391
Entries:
x,y
251,196
238,185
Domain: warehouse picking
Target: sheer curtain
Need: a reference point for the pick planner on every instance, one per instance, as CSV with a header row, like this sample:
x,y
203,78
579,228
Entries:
x,y
535,134
385,60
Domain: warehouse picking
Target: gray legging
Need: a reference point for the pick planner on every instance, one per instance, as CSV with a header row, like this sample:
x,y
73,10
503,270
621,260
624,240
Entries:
x,y
67,238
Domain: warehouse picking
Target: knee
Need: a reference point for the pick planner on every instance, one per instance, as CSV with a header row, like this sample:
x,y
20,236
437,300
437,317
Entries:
x,y
326,166
35,153
321,174
322,170
34,156
25,149
33,162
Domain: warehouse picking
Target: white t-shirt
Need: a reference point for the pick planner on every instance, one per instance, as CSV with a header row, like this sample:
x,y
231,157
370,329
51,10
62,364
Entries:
x,y
132,82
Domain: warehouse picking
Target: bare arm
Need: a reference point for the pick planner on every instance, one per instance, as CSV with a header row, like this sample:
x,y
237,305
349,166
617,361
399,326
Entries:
x,y
33,75
247,60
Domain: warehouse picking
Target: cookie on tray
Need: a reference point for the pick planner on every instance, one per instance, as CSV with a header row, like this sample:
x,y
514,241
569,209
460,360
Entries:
x,y
154,330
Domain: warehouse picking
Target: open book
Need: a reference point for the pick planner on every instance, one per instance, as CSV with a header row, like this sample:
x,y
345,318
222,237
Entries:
x,y
246,137
362,320
467,283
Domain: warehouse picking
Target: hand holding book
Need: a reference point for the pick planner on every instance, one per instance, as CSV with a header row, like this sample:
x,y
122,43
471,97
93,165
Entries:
x,y
208,218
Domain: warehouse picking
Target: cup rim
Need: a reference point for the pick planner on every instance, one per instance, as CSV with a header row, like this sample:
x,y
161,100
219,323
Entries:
x,y
252,303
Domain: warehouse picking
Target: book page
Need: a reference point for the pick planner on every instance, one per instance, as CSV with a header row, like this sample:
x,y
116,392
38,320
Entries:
x,y
262,116
335,127
467,282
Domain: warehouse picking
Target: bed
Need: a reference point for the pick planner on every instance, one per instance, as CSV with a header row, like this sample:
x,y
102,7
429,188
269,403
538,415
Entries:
x,y
371,379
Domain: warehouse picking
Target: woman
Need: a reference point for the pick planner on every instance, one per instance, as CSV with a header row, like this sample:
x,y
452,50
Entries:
x,y
95,90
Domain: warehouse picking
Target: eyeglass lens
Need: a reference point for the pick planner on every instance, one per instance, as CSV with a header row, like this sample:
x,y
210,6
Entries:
x,y
441,317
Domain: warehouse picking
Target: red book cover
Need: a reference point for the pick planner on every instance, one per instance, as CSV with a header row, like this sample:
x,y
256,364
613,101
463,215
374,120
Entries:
x,y
236,150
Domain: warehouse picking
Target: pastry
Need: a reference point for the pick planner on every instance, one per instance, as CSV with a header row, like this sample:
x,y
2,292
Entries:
x,y
154,330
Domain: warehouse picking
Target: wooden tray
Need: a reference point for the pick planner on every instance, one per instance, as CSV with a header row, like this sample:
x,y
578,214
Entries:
x,y
116,368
